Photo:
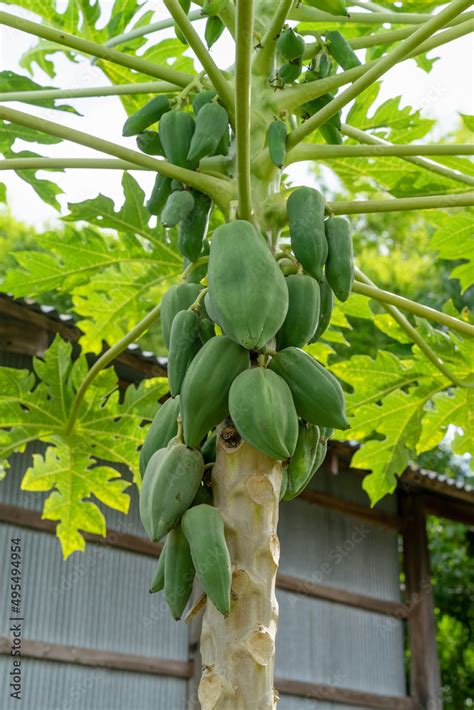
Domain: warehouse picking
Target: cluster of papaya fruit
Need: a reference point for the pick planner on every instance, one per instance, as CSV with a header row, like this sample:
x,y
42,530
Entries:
x,y
333,51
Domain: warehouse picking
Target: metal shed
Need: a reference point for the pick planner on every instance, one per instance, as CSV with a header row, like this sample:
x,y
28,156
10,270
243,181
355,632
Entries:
x,y
92,637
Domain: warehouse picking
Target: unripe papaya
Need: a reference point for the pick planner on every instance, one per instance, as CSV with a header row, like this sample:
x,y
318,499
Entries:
x,y
178,205
320,456
214,7
211,124
208,449
287,266
184,344
303,312
321,67
179,572
204,392
341,50
290,45
331,134
284,482
305,208
149,142
288,73
325,312
176,132
326,433
202,98
192,228
302,462
150,113
262,409
317,394
213,30
312,107
206,329
198,273
177,298
159,195
204,528
160,432
171,481
158,581
276,138
340,261
246,287
210,308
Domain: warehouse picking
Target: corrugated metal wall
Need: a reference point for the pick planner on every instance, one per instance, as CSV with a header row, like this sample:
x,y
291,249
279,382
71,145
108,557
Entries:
x,y
99,600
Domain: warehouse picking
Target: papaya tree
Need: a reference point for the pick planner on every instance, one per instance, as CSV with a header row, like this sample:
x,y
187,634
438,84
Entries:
x,y
250,277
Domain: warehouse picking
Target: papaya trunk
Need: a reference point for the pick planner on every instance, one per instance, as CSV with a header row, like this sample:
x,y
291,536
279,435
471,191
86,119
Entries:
x,y
238,651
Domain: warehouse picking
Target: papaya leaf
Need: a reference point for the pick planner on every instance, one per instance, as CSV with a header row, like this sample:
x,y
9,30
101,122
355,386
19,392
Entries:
x,y
78,466
454,408
454,240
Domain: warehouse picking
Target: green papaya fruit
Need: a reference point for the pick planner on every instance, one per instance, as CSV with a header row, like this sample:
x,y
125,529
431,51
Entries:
x,y
179,572
262,409
317,394
302,462
289,72
184,344
341,50
305,208
208,449
213,30
203,496
211,124
312,107
149,142
176,132
206,329
210,308
287,266
325,311
204,392
332,7
186,5
321,67
193,228
178,205
197,274
224,145
303,312
284,482
320,456
247,289
159,195
326,433
340,261
158,581
171,481
331,135
204,528
290,45
150,113
202,98
214,7
176,185
177,298
160,432
276,139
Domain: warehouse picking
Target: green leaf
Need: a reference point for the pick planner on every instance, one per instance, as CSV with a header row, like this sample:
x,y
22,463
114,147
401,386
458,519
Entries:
x,y
83,464
454,408
468,121
453,241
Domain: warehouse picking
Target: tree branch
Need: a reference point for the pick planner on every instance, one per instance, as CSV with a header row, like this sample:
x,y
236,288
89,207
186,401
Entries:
x,y
412,307
149,29
217,78
106,359
377,149
85,46
219,190
310,14
150,87
377,70
243,86
379,144
411,331
65,163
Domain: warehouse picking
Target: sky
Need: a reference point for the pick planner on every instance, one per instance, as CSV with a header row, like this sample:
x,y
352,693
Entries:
x,y
442,94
